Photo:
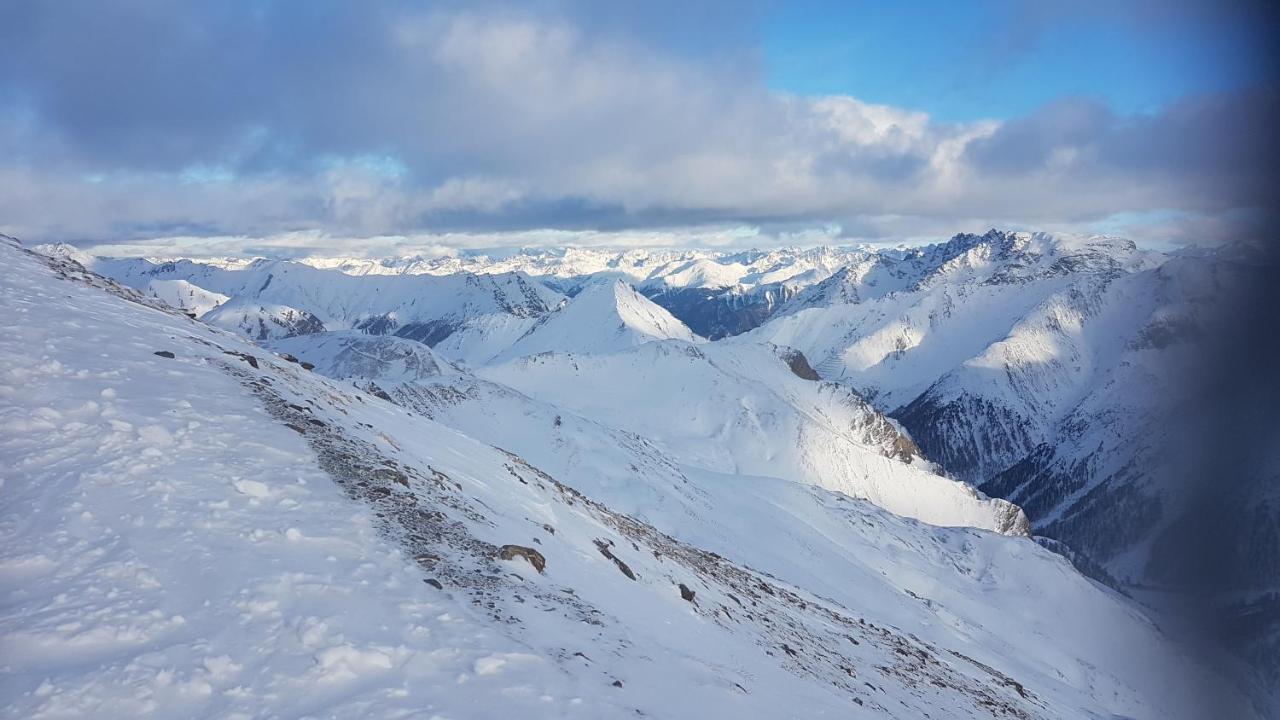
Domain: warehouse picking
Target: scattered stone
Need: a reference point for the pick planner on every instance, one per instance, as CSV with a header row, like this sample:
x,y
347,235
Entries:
x,y
253,361
288,358
603,547
434,583
164,354
378,392
533,557
307,366
685,593
617,683
390,473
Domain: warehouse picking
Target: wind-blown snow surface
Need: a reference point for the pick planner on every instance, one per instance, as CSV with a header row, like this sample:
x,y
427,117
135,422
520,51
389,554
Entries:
x,y
224,534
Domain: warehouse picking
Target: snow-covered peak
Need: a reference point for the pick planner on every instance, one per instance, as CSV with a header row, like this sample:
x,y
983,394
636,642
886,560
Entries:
x,y
186,296
603,317
64,251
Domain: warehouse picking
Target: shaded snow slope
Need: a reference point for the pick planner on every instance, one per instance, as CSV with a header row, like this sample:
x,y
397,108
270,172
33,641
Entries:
x,y
222,533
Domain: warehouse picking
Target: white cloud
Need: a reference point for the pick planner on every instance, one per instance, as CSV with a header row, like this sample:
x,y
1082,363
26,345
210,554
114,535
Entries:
x,y
513,119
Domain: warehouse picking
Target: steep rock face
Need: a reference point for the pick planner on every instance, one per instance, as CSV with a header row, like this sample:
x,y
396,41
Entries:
x,y
799,364
307,549
720,312
969,436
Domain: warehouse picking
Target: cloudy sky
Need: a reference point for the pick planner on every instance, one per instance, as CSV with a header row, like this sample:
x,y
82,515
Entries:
x,y
373,127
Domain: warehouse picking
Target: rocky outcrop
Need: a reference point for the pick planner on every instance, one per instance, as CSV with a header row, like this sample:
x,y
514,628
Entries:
x,y
603,547
533,557
799,364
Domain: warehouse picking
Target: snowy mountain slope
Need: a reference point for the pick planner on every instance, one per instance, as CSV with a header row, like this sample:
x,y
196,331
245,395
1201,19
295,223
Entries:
x,y
348,354
269,570
1108,476
595,457
600,460
897,324
603,317
466,317
261,321
1034,366
185,296
717,313
741,409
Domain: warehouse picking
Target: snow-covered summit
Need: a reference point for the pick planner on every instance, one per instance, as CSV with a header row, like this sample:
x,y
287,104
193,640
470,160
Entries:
x,y
603,317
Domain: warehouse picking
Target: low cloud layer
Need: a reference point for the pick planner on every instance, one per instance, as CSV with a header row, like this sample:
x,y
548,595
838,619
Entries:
x,y
136,120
